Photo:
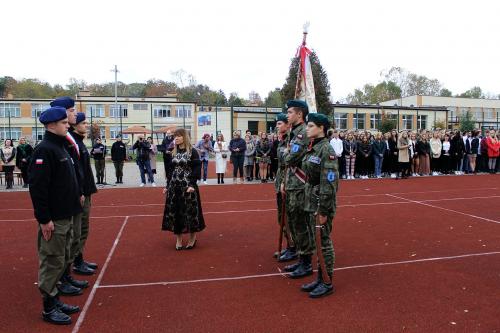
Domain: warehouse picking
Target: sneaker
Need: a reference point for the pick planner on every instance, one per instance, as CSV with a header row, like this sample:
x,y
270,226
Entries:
x,y
393,175
142,185
153,184
205,182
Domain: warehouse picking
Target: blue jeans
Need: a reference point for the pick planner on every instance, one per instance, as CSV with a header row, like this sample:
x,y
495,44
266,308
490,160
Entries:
x,y
145,166
204,164
466,164
378,164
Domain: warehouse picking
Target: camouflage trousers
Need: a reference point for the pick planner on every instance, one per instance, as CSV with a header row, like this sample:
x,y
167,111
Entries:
x,y
326,242
279,202
301,227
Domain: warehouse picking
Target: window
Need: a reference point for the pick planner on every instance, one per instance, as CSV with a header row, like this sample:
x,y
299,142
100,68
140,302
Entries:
x,y
358,121
37,133
12,110
407,121
115,130
253,127
488,113
452,113
478,113
182,110
114,110
421,122
374,120
95,110
341,120
161,111
140,107
37,109
13,133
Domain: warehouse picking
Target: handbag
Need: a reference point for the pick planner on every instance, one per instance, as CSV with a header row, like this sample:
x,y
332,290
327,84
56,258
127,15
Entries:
x,y
224,155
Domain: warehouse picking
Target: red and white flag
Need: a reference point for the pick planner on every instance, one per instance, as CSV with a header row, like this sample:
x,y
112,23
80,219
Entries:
x,y
304,88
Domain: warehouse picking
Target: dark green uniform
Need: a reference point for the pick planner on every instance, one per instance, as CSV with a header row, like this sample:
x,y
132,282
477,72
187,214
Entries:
x,y
321,166
301,228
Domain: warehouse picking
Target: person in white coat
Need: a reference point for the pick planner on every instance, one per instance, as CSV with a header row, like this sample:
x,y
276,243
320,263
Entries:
x,y
221,153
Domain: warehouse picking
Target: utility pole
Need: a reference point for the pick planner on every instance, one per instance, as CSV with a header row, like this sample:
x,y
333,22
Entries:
x,y
116,98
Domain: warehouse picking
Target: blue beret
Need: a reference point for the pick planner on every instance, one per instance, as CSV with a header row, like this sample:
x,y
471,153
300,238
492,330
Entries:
x,y
52,115
66,102
297,103
282,117
319,119
80,116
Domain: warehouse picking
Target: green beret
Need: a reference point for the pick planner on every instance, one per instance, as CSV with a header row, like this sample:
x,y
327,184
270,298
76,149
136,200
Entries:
x,y
297,103
319,119
282,117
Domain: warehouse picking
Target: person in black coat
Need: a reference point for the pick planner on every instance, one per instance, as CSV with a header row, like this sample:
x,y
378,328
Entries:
x,y
80,266
23,158
55,194
457,151
237,146
166,147
119,156
98,152
393,157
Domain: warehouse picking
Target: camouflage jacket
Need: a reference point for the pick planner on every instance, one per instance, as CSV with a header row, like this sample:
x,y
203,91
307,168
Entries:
x,y
281,163
297,145
322,169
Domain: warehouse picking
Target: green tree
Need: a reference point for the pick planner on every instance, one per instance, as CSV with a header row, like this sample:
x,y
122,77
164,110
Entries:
x,y
411,83
321,84
386,125
235,100
466,122
474,92
445,93
273,99
371,94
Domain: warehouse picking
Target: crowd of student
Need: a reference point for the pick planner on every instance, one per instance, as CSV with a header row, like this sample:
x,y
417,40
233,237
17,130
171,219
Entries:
x,y
365,155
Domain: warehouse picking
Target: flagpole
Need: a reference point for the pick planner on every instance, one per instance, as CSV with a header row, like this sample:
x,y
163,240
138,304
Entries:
x,y
299,70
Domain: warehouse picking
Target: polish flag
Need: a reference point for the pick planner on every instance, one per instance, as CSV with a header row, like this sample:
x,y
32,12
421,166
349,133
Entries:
x,y
39,161
304,88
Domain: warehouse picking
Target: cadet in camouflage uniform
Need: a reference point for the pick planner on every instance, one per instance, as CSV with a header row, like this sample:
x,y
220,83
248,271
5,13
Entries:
x,y
321,167
300,226
282,127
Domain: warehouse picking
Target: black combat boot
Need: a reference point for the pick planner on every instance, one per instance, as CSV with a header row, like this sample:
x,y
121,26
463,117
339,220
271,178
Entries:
x,y
80,267
91,265
293,267
304,269
323,289
308,287
82,284
66,308
289,255
52,314
66,288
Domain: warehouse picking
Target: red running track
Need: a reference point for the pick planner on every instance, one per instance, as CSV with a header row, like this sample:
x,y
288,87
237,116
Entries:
x,y
420,255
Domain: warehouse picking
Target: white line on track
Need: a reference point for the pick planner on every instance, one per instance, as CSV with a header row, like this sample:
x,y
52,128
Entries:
x,y
86,307
446,209
406,201
256,276
273,200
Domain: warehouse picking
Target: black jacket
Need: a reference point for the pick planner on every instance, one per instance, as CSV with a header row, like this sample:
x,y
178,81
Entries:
x,y
74,153
237,143
379,147
143,147
118,151
88,182
423,147
23,152
53,185
98,151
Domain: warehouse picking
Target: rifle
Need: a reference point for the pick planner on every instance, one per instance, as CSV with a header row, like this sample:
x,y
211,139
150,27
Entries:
x,y
319,250
283,225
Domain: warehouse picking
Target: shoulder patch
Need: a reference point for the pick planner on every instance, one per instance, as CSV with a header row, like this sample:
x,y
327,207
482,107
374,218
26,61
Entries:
x,y
314,159
295,148
330,176
299,136
332,157
39,161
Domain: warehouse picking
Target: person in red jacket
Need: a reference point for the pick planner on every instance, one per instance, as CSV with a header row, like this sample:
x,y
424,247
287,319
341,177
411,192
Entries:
x,y
493,151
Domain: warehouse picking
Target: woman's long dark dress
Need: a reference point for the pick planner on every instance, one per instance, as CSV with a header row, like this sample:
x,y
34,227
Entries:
x,y
183,213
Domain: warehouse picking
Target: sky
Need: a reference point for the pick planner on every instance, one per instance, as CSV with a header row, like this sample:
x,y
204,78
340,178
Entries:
x,y
240,46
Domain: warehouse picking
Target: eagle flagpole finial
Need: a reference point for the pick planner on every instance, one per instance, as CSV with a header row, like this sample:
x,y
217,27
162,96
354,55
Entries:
x,y
306,28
